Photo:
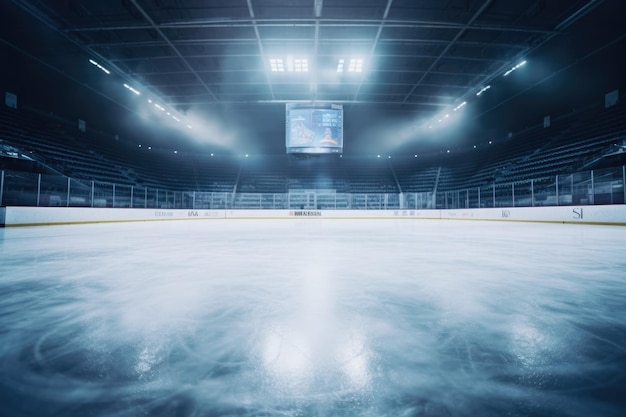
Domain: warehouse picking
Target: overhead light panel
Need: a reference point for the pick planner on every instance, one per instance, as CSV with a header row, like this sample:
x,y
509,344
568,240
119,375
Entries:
x,y
340,65
289,65
99,66
482,90
132,89
301,65
515,68
355,65
277,65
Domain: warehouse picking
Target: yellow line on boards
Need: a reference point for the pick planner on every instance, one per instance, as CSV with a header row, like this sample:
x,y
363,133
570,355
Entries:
x,y
66,223
582,222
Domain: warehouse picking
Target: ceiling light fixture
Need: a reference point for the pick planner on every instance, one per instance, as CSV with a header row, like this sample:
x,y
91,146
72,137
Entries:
x,y
277,65
482,90
355,65
301,65
515,68
459,106
99,66
132,89
340,65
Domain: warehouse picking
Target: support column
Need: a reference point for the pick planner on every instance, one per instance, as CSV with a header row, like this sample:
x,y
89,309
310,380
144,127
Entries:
x,y
494,194
92,192
1,186
38,189
513,194
145,197
593,190
132,195
67,202
556,184
623,185
113,195
532,193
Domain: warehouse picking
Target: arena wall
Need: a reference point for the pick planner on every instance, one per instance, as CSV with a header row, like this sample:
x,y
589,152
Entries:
x,y
39,216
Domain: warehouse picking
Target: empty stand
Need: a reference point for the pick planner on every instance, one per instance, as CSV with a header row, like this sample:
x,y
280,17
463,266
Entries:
x,y
40,152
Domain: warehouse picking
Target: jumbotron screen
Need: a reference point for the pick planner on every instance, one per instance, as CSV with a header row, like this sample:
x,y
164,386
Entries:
x,y
314,129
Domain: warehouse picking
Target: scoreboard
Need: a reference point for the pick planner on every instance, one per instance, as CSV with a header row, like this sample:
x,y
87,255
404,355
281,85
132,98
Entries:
x,y
314,129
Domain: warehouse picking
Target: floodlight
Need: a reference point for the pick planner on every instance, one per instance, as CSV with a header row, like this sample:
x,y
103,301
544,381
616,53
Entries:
x,y
132,89
482,90
515,68
99,66
355,65
459,106
277,65
301,65
340,65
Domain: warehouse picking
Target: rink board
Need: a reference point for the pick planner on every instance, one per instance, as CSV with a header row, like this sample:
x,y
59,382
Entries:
x,y
38,216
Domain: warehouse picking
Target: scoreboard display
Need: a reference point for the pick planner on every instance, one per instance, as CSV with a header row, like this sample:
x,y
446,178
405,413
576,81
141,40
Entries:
x,y
314,129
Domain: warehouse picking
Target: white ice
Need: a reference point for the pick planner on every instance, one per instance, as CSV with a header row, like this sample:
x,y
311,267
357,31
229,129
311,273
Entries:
x,y
313,317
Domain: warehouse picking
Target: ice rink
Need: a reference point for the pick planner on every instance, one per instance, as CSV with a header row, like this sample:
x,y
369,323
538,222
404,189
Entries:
x,y
313,317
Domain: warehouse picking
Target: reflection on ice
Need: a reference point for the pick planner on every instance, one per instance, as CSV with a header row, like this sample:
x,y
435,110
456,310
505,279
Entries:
x,y
296,361
313,318
311,349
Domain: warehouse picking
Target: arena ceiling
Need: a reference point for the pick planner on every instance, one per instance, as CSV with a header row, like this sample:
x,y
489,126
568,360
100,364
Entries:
x,y
423,57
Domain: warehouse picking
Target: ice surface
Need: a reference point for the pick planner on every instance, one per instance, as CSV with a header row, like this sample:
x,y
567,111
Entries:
x,y
313,317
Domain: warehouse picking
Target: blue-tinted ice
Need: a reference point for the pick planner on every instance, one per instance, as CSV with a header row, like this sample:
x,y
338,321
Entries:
x,y
313,318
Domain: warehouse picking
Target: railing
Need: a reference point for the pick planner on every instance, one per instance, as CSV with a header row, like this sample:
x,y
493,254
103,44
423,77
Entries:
x,y
606,186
